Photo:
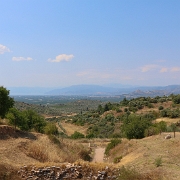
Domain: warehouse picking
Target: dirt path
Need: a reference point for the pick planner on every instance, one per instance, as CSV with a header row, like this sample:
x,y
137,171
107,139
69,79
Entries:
x,y
98,154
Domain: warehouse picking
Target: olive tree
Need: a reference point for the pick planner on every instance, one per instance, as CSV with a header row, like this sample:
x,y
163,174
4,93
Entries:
x,y
174,128
6,102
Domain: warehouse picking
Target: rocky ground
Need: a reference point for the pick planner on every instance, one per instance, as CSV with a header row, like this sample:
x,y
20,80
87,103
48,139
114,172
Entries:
x,y
68,171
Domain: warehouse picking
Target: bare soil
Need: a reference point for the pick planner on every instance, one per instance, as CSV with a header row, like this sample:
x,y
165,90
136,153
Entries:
x,y
98,155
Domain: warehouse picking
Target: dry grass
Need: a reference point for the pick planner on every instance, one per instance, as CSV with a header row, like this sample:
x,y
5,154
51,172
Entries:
x,y
7,172
127,173
45,150
143,153
20,150
155,108
37,152
70,128
168,120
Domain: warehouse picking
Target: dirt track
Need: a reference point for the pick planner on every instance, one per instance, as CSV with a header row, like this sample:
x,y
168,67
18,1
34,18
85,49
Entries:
x,y
99,154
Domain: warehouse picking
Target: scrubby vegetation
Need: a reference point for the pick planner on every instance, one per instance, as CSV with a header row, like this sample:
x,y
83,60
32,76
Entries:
x,y
77,135
26,120
134,118
130,118
111,145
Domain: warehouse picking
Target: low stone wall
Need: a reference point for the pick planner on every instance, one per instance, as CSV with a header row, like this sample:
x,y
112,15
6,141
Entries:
x,y
68,172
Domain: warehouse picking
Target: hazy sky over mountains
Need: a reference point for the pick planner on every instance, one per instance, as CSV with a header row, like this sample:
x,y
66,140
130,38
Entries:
x,y
66,42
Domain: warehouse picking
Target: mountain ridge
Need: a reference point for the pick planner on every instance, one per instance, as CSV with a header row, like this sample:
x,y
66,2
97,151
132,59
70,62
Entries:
x,y
98,90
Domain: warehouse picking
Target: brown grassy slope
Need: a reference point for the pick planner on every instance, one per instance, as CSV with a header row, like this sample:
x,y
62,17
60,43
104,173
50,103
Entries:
x,y
168,120
18,151
71,128
145,109
18,148
143,153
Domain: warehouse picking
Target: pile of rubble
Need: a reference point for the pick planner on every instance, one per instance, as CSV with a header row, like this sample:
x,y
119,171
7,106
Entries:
x,y
68,172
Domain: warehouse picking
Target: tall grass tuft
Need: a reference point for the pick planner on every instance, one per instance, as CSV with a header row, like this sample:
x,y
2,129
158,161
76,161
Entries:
x,y
37,152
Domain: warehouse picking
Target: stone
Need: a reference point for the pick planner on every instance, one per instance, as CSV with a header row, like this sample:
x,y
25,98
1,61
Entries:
x,y
168,136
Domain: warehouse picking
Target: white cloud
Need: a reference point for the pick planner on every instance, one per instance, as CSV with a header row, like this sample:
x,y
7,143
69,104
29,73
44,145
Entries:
x,y
149,67
22,59
163,70
61,57
3,49
175,69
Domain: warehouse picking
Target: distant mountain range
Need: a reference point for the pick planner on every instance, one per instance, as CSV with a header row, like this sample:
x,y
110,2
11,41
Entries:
x,y
96,90
112,91
84,90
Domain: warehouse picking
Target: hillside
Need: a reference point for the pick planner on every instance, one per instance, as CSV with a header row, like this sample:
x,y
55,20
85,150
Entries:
x,y
139,123
20,150
143,154
104,119
17,153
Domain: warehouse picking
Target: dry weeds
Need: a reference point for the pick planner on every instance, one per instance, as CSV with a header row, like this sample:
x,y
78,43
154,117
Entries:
x,y
71,128
142,154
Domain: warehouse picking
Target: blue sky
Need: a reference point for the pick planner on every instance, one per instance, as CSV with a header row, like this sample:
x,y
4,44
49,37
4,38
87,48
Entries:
x,y
67,42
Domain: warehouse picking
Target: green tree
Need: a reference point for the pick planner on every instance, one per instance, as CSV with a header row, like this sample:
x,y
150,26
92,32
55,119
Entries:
x,y
6,102
161,108
124,102
162,126
100,109
134,127
17,118
106,107
176,99
77,135
173,127
34,121
26,120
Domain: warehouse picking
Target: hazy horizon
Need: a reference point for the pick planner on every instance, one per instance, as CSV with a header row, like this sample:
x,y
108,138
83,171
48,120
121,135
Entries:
x,y
85,89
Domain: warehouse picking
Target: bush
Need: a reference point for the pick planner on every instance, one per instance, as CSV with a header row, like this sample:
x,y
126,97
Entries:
x,y
150,105
152,130
129,174
161,108
111,145
125,109
84,154
117,159
116,135
26,120
51,128
118,110
134,126
90,136
176,99
77,135
158,161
